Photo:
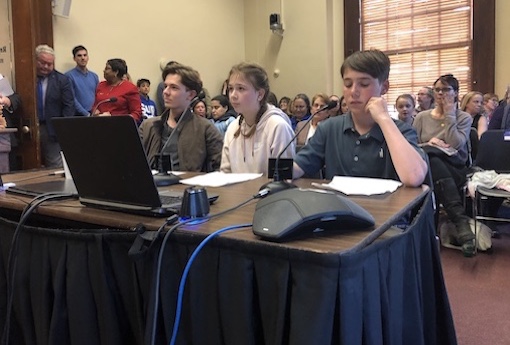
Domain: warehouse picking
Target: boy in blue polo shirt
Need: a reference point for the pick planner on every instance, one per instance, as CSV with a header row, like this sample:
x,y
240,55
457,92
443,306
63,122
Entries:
x,y
366,142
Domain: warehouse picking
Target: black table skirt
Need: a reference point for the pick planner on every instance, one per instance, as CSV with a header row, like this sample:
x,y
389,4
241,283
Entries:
x,y
82,287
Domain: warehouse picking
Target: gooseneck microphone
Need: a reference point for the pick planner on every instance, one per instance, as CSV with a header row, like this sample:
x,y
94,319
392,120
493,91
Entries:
x,y
108,100
278,183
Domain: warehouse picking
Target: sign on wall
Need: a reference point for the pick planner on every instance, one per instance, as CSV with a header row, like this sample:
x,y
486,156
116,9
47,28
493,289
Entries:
x,y
6,60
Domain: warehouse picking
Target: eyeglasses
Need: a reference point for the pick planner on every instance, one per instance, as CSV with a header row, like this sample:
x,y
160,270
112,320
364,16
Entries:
x,y
443,89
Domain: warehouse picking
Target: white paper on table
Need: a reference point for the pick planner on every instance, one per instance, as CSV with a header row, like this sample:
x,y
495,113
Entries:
x,y
176,173
360,185
218,179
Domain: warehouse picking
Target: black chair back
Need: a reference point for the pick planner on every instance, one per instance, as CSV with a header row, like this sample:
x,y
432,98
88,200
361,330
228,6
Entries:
x,y
494,151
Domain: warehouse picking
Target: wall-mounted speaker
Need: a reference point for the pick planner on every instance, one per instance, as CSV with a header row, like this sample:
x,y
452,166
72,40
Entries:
x,y
61,8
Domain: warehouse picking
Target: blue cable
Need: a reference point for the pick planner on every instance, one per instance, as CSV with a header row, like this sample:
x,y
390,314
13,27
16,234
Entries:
x,y
182,284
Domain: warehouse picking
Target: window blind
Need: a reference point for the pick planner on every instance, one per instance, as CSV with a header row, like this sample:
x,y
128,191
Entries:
x,y
423,38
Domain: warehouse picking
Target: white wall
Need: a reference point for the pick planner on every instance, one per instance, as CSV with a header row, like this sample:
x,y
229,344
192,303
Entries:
x,y
205,34
310,53
212,35
502,68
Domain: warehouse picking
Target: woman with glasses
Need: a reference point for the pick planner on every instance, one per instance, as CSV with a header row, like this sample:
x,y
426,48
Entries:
x,y
443,132
490,103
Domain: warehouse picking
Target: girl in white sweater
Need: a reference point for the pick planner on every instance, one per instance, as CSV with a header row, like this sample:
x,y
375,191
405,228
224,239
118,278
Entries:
x,y
261,130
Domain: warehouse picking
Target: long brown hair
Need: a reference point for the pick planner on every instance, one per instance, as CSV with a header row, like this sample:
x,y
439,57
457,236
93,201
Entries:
x,y
258,78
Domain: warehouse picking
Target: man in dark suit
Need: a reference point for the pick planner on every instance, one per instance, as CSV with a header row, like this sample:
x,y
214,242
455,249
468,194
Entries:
x,y
54,99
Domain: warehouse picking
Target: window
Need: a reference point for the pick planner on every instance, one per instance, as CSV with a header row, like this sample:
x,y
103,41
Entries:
x,y
423,38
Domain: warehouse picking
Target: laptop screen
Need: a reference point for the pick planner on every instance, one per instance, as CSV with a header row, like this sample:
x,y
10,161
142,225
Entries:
x,y
107,160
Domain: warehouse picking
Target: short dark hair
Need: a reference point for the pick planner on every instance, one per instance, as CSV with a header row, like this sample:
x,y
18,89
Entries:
x,y
284,99
373,61
189,77
450,80
223,100
119,66
141,81
77,49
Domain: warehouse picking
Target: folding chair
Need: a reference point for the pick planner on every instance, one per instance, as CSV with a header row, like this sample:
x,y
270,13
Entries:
x,y
493,154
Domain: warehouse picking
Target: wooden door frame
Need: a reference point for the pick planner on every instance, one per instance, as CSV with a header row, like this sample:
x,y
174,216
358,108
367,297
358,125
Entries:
x,y
32,24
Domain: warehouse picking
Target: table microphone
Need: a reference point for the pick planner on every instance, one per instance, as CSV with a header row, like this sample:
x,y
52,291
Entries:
x,y
108,100
278,184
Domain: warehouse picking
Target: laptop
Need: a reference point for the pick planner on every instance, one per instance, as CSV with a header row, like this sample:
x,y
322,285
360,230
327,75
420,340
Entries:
x,y
109,167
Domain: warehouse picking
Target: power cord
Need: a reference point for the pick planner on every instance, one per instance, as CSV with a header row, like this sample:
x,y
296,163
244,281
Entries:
x,y
182,284
13,253
259,195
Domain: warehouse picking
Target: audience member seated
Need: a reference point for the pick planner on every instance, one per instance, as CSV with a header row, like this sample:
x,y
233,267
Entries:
x,y
336,110
366,142
344,108
128,99
284,105
425,99
301,109
472,103
262,131
192,142
501,116
222,113
200,109
147,104
446,127
490,102
271,99
406,108
308,128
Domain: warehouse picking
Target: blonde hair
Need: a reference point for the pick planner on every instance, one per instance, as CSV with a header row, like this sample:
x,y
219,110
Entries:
x,y
467,97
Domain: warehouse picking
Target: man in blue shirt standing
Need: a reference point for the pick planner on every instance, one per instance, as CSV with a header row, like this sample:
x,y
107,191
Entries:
x,y
84,82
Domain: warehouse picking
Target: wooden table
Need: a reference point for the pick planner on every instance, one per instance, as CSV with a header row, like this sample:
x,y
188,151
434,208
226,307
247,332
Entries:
x,y
241,290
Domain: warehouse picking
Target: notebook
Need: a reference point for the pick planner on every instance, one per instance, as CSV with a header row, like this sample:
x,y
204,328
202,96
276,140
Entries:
x,y
109,166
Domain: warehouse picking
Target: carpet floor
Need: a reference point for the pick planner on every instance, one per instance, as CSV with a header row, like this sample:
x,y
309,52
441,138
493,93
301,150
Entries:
x,y
479,292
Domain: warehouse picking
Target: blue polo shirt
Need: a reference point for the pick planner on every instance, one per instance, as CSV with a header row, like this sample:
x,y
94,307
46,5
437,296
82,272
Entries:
x,y
84,87
344,152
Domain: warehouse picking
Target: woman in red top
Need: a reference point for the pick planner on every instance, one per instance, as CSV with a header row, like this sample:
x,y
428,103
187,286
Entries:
x,y
123,95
